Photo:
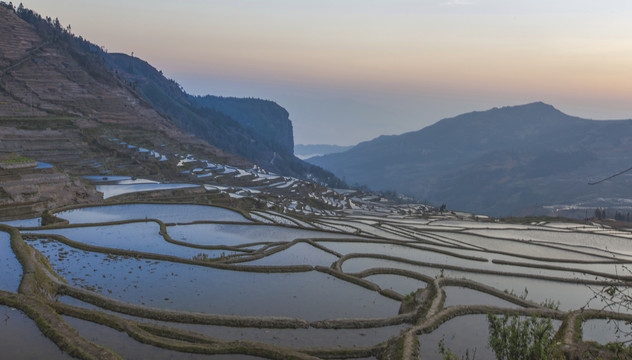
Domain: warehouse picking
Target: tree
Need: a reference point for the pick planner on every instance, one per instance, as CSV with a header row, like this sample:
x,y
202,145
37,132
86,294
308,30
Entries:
x,y
8,6
617,298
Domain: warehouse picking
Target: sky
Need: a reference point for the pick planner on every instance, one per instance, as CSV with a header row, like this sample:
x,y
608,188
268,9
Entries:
x,y
351,70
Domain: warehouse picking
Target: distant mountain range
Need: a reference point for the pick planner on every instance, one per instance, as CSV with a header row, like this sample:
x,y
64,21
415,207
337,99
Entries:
x,y
307,151
528,159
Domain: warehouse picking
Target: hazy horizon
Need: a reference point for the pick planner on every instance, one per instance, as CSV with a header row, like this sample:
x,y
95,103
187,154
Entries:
x,y
349,71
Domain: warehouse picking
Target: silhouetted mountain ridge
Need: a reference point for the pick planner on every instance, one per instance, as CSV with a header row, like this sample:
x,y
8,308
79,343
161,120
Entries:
x,y
498,161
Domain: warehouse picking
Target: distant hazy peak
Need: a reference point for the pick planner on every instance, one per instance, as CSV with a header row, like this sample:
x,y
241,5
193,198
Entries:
x,y
308,151
534,108
534,105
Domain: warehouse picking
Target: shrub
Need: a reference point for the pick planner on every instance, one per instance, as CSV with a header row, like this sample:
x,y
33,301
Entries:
x,y
513,338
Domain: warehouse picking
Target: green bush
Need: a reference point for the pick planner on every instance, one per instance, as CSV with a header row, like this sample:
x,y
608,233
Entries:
x,y
17,159
513,338
447,354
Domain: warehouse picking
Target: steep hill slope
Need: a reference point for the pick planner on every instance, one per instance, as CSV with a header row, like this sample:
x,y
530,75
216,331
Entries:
x,y
46,71
256,129
167,97
60,105
503,161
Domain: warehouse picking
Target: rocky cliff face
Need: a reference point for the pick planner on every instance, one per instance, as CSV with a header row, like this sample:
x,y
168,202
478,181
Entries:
x,y
265,117
255,129
269,123
258,130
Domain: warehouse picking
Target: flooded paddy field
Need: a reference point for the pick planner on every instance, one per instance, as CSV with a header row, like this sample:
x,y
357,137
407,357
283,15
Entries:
x,y
177,286
194,282
463,296
298,254
129,348
473,342
162,212
21,339
606,331
140,237
9,265
399,283
229,234
290,337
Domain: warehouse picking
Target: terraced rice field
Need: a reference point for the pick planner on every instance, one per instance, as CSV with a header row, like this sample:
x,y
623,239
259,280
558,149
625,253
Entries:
x,y
193,281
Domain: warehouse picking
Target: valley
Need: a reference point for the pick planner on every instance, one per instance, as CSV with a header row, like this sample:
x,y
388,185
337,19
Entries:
x,y
139,221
